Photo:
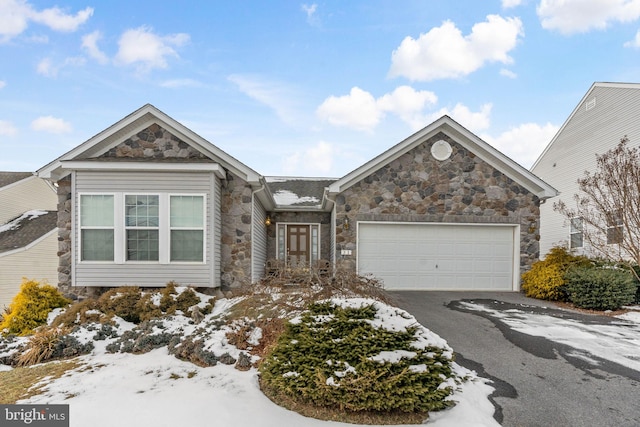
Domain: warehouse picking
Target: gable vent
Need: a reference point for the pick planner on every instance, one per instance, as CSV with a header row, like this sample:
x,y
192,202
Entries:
x,y
590,104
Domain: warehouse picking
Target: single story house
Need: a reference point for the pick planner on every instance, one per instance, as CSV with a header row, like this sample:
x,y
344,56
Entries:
x,y
28,232
147,201
606,113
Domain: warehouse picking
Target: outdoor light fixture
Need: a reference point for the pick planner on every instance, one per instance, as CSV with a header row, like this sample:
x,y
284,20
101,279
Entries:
x,y
532,226
267,221
345,224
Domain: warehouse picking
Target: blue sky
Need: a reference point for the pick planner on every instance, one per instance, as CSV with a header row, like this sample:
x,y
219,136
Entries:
x,y
305,88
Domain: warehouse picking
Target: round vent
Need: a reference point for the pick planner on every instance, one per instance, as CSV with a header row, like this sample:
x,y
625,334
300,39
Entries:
x,y
441,150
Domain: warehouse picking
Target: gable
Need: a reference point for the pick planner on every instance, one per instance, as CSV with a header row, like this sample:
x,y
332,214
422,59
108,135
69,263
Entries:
x,y
150,136
446,128
606,113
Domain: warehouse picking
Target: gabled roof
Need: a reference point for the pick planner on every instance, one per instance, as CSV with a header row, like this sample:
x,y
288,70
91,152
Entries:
x,y
298,193
588,95
465,138
132,124
8,178
26,229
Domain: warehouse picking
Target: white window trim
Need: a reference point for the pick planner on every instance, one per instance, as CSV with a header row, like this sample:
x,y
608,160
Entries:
x,y
164,233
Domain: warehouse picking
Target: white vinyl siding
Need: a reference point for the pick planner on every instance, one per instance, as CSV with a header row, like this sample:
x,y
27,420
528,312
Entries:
x,y
26,195
258,241
148,273
37,261
585,134
430,256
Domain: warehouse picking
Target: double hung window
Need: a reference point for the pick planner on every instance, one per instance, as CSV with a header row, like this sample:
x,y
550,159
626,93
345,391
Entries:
x,y
159,228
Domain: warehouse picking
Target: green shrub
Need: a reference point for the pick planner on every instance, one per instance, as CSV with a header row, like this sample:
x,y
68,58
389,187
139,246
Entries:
x,y
122,302
328,359
546,278
30,307
600,288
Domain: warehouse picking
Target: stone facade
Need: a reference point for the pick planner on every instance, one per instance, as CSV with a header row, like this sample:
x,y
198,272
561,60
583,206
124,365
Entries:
x,y
154,142
418,188
236,232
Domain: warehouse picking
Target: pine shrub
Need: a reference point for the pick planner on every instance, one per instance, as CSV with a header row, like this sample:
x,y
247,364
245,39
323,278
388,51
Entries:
x,y
600,288
546,279
30,307
327,359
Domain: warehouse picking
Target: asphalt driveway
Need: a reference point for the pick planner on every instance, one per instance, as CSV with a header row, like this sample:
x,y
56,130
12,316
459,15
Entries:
x,y
538,382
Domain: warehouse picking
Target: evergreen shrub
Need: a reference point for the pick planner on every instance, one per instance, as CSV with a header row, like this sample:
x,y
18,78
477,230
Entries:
x,y
328,359
30,307
546,279
600,288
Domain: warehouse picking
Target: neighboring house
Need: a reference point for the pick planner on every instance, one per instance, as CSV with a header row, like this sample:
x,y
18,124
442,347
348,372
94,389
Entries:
x,y
148,201
28,238
607,113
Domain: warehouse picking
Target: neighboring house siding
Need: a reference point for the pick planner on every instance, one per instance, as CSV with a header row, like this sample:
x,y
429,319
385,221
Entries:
x,y
25,195
573,151
259,241
37,261
145,274
417,188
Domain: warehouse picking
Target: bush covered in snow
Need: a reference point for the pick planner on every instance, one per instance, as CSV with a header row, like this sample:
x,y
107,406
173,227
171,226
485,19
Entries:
x,y
31,307
360,355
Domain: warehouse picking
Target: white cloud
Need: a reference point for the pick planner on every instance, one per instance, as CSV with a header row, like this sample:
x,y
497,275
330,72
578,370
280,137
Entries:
x,y
275,95
444,52
474,121
47,68
508,73
147,50
358,110
15,16
56,19
2,84
408,104
577,16
51,124
90,44
506,4
635,42
316,160
524,143
7,128
310,10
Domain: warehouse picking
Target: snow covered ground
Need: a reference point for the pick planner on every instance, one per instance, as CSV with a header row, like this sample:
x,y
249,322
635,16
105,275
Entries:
x,y
157,389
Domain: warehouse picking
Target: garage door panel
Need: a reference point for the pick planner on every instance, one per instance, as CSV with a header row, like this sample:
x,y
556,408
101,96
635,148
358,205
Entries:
x,y
437,256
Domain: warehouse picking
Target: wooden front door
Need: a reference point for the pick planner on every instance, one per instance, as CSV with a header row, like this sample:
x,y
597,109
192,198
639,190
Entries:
x,y
298,239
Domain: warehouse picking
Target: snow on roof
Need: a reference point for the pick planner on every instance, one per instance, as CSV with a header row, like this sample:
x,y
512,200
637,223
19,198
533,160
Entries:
x,y
289,198
15,224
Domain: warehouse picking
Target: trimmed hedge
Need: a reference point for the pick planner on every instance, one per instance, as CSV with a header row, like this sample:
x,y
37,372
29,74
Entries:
x,y
600,288
328,359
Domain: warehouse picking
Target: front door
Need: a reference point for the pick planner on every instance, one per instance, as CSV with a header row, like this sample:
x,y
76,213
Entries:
x,y
298,244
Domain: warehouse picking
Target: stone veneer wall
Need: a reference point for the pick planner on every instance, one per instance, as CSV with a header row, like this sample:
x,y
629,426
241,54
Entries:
x,y
322,218
417,188
156,143
236,232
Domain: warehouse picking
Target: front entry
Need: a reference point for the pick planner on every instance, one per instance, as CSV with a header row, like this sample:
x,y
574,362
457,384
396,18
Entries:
x,y
298,244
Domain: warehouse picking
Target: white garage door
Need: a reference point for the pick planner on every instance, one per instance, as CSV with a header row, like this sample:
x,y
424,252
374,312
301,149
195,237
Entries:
x,y
438,256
